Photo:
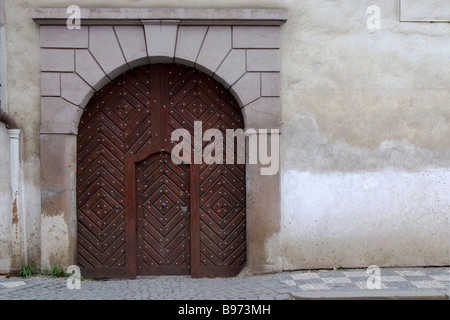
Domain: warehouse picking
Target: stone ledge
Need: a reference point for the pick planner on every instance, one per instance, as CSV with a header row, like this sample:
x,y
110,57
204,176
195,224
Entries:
x,y
185,16
59,129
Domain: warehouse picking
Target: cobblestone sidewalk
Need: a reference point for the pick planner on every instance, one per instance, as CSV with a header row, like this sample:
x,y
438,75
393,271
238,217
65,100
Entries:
x,y
427,282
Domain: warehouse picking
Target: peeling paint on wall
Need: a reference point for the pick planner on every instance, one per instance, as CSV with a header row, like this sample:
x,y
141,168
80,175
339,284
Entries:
x,y
359,219
273,247
314,152
55,241
355,206
5,203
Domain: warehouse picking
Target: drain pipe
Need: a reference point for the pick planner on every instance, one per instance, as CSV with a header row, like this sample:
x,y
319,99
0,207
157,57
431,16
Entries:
x,y
14,144
7,120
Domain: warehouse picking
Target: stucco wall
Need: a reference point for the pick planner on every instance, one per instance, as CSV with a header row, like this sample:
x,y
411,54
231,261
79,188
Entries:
x,y
365,148
367,180
5,203
5,191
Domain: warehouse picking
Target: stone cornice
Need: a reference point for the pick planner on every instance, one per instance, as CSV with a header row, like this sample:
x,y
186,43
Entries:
x,y
181,16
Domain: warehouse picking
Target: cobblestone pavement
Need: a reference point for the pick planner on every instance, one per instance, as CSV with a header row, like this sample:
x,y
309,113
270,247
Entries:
x,y
395,282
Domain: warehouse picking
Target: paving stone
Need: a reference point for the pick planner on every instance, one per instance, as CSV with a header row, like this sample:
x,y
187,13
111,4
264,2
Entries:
x,y
13,284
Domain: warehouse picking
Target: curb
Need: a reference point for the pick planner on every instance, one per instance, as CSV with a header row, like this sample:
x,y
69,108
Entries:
x,y
371,295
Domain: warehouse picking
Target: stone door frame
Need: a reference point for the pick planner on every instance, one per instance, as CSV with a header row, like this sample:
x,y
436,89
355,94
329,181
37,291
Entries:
x,y
240,48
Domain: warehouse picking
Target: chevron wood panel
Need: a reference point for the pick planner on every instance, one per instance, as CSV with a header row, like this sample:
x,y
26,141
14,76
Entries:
x,y
219,228
163,226
116,122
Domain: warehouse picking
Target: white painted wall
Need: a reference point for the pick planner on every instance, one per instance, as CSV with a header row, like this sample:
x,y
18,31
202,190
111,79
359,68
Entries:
x,y
359,219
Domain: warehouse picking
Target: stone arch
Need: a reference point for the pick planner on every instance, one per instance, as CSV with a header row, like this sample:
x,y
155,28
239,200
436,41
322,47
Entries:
x,y
97,54
240,53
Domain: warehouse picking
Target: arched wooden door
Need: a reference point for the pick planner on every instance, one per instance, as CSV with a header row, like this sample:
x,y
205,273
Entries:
x,y
138,212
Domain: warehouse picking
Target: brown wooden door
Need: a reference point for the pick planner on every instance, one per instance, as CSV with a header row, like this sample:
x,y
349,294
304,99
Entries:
x,y
138,212
163,228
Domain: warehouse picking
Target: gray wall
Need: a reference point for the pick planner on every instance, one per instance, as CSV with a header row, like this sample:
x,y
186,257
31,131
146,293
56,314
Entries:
x,y
5,191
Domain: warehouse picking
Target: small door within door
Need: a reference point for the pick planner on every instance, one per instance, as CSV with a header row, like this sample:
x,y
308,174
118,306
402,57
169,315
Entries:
x,y
162,212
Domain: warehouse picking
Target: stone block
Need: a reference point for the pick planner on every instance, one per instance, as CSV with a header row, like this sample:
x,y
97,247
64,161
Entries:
x,y
161,39
216,46
75,90
62,37
256,37
232,68
189,41
263,220
88,69
132,42
61,60
59,116
57,168
50,84
248,88
105,48
263,60
270,84
263,113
